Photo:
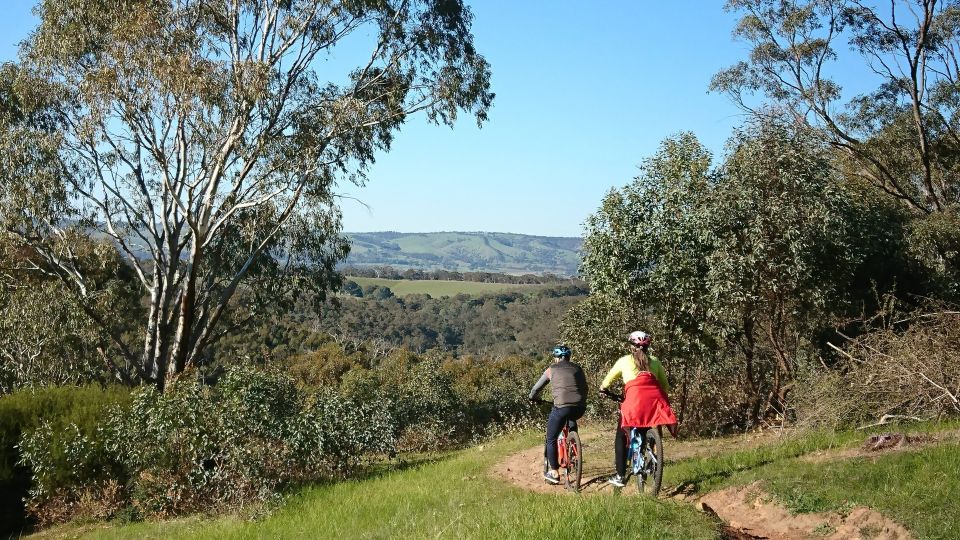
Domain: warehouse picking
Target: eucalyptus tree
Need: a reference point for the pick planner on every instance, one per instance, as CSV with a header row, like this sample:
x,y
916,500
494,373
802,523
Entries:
x,y
903,138
782,258
206,139
644,256
737,268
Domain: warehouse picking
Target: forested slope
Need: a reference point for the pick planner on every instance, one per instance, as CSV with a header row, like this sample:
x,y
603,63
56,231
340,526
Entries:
x,y
466,251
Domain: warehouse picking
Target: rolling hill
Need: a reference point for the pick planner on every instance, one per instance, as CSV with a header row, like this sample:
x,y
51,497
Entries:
x,y
467,252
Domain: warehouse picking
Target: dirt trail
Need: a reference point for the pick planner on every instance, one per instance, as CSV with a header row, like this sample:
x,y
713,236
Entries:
x,y
524,469
747,512
750,510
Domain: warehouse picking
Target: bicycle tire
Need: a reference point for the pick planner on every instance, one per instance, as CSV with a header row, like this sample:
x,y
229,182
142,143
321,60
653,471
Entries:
x,y
574,469
650,479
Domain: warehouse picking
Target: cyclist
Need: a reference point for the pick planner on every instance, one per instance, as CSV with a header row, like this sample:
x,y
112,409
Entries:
x,y
569,387
645,402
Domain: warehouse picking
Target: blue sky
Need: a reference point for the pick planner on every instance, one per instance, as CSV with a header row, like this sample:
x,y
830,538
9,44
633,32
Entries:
x,y
585,91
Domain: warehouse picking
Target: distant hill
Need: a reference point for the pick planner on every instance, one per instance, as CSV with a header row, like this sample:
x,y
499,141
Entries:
x,y
467,252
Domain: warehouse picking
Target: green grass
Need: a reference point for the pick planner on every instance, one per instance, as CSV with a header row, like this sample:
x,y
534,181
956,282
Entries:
x,y
438,288
915,488
450,498
707,474
453,497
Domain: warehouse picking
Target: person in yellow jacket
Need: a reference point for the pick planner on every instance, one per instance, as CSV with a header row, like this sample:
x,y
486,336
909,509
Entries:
x,y
626,367
645,403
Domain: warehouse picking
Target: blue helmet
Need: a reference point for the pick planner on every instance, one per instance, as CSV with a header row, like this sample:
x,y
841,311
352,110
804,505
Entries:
x,y
561,351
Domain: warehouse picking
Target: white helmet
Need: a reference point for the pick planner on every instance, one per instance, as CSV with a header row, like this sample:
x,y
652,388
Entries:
x,y
639,338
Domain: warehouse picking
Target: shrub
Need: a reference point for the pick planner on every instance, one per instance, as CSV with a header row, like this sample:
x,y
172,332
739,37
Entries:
x,y
434,400
494,391
241,442
201,448
64,414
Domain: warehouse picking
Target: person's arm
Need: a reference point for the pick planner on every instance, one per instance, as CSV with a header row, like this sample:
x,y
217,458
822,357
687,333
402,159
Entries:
x,y
541,382
661,374
615,371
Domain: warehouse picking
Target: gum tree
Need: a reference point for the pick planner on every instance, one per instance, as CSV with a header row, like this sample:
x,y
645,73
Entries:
x,y
903,137
736,269
206,140
645,260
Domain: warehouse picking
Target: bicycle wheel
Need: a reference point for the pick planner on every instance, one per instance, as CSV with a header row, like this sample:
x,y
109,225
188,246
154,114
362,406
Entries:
x,y
574,469
650,478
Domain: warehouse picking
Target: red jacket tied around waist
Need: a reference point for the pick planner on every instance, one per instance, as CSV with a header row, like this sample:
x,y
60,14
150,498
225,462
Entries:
x,y
645,404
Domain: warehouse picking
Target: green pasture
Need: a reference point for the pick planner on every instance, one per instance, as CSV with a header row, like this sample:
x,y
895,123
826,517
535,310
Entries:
x,y
438,288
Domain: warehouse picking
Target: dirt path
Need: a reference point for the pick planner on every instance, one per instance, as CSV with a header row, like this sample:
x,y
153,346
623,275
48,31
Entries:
x,y
747,512
750,510
524,469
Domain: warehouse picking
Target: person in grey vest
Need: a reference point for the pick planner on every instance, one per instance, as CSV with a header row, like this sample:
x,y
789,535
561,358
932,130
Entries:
x,y
569,386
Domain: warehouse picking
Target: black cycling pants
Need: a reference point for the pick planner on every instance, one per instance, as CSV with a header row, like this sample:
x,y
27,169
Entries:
x,y
558,416
620,448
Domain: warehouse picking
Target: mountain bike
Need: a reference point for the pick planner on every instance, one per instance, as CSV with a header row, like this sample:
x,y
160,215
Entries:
x,y
644,455
569,454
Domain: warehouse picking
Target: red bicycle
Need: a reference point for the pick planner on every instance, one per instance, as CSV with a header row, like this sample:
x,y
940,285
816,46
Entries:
x,y
569,454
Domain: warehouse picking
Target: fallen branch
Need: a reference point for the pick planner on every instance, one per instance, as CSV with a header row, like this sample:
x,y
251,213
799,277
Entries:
x,y
887,418
841,351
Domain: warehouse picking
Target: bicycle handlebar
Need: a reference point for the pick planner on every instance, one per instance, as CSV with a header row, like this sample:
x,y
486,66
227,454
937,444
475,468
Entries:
x,y
610,395
539,400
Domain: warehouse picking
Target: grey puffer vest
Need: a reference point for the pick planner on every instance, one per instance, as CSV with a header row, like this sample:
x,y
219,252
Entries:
x,y
568,383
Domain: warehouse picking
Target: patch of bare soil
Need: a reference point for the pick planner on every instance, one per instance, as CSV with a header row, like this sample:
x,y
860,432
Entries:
x,y
750,511
525,469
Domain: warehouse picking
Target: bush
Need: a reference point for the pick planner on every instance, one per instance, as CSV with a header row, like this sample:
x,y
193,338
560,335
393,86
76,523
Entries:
x,y
65,414
434,400
201,448
493,392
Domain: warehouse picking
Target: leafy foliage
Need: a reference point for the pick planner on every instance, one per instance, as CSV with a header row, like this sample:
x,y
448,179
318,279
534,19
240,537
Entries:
x,y
490,326
737,270
434,401
47,334
66,414
901,137
201,448
202,140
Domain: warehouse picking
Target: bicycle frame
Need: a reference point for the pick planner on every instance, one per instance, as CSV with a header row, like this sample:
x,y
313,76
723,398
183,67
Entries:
x,y
635,444
644,454
563,459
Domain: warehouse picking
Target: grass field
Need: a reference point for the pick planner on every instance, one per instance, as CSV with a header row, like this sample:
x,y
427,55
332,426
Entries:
x,y
452,496
438,288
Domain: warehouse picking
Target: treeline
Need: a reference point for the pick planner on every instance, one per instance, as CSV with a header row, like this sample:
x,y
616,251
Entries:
x,y
389,272
490,325
765,278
